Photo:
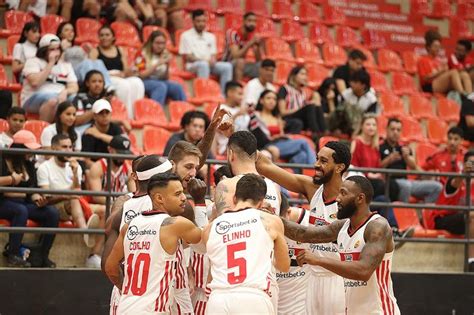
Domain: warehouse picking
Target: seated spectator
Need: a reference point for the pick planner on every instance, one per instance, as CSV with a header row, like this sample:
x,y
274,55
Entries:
x,y
16,119
298,113
63,124
81,8
199,50
19,207
26,47
271,133
65,173
329,96
360,94
153,68
47,79
128,87
37,7
459,59
98,137
120,175
342,74
466,119
396,156
254,88
237,44
175,14
435,76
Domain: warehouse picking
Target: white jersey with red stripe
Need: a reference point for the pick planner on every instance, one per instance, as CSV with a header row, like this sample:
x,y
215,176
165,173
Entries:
x,y
374,296
293,284
273,196
240,251
182,298
149,269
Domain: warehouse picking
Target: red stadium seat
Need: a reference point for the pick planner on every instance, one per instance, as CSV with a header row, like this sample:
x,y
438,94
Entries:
x,y
278,49
411,130
209,108
148,112
437,130
213,23
265,28
177,110
378,81
448,110
5,84
307,13
334,55
133,144
389,60
465,11
206,5
407,218
373,39
282,10
333,16
420,107
441,9
131,54
410,61
257,7
11,41
392,105
233,20
220,43
323,140
3,125
180,80
14,22
154,140
307,52
282,71
420,7
402,84
229,6
119,111
382,126
316,74
319,34
49,23
460,28
436,233
87,31
346,36
206,90
176,71
126,34
291,31
423,151
36,127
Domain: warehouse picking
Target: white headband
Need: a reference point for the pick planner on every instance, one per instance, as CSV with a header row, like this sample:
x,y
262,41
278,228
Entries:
x,y
146,175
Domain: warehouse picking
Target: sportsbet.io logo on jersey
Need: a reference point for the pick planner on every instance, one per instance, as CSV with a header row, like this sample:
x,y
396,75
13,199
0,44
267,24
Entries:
x,y
133,232
223,227
129,215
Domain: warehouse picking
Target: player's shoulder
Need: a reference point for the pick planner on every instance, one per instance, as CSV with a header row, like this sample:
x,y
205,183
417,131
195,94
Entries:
x,y
177,221
378,228
271,219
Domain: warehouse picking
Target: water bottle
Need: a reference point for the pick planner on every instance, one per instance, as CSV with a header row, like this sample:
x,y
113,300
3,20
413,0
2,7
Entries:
x,y
24,253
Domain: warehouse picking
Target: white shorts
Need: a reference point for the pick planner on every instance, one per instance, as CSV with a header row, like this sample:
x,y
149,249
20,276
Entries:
x,y
114,300
244,301
182,302
325,294
274,293
199,299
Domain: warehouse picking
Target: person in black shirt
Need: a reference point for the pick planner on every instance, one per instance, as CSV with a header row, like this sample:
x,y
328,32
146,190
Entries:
x,y
342,74
466,120
395,156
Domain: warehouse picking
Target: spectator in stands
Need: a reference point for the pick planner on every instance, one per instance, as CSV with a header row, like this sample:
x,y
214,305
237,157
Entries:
x,y
329,95
128,87
38,7
466,119
435,76
342,74
360,94
396,156
63,124
459,60
98,137
19,207
199,50
6,99
47,79
254,88
26,47
194,125
153,68
120,175
238,42
81,8
298,113
16,119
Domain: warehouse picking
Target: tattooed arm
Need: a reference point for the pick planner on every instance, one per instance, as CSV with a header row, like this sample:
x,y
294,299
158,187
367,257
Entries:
x,y
206,142
312,234
225,191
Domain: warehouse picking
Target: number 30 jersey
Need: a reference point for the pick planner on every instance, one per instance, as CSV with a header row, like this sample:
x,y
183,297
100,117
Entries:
x,y
240,251
149,269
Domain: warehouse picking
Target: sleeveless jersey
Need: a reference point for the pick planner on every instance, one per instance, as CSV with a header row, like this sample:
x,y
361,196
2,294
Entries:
x,y
273,196
293,284
133,207
182,298
149,269
240,251
367,297
119,178
323,213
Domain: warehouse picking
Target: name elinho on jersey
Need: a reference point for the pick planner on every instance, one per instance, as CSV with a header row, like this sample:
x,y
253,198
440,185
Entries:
x,y
130,215
224,227
133,232
288,275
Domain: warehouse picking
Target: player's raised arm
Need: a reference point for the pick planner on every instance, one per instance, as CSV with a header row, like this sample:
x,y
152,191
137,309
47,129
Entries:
x,y
112,264
312,234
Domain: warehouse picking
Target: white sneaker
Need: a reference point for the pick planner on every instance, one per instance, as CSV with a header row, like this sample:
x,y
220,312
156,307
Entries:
x,y
92,223
93,261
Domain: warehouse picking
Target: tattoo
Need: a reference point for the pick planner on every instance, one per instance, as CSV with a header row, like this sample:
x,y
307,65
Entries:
x,y
168,221
221,194
312,234
377,234
205,144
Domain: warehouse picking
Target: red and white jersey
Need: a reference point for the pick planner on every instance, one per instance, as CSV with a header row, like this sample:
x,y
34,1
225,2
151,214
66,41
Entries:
x,y
200,264
322,212
367,297
149,269
119,178
181,295
293,284
273,195
133,207
240,251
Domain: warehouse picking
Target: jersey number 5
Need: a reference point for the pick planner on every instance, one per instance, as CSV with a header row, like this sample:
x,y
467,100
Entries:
x,y
141,265
232,262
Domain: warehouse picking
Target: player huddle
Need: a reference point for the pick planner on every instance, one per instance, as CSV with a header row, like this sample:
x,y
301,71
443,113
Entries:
x,y
246,251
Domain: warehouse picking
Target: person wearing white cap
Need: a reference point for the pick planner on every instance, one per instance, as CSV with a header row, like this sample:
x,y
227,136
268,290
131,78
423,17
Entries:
x,y
47,79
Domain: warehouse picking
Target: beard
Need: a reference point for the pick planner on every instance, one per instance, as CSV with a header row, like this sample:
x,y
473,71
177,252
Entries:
x,y
118,162
249,29
63,159
347,211
324,179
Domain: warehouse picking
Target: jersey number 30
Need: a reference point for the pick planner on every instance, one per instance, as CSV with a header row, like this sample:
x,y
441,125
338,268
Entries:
x,y
233,262
141,266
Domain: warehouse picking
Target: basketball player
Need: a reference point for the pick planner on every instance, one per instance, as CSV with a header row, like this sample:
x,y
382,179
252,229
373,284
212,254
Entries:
x,y
325,294
148,245
240,243
365,244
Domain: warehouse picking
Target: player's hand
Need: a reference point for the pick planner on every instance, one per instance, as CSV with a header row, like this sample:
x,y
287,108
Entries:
x,y
218,116
306,257
405,151
197,189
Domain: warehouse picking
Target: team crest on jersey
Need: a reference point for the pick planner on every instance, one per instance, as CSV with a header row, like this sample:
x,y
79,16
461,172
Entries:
x,y
357,244
347,257
129,215
333,216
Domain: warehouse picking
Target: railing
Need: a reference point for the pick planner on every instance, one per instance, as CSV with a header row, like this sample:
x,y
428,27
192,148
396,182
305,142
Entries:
x,y
109,195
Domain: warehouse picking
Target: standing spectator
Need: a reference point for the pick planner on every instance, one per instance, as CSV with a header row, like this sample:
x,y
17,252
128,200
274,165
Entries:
x,y
254,88
153,68
459,59
298,113
26,47
329,95
435,76
63,124
128,87
19,207
199,50
342,74
47,79
16,119
466,119
396,156
238,42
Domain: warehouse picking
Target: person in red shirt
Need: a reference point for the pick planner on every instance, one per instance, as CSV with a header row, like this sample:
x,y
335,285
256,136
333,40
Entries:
x,y
435,76
460,60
